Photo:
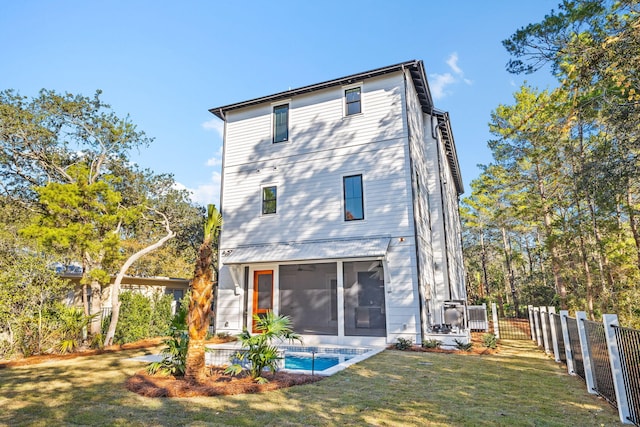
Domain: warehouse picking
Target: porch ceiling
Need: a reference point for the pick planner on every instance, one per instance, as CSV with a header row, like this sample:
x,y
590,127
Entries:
x,y
303,251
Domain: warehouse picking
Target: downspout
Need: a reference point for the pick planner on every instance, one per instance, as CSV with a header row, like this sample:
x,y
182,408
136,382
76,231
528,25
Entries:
x,y
215,290
444,223
423,314
224,146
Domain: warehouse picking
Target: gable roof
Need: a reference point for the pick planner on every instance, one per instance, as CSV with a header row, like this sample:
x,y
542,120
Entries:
x,y
419,77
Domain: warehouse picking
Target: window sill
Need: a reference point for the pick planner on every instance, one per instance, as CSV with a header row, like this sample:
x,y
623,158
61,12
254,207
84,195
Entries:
x,y
345,117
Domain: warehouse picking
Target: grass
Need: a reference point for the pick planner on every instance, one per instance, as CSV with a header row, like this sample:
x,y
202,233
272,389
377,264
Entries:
x,y
518,387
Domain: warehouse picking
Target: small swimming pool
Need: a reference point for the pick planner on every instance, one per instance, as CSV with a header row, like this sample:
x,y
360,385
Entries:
x,y
317,360
323,360
312,362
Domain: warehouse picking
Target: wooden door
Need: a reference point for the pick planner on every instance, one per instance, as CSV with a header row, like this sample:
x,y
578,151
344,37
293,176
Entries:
x,y
262,293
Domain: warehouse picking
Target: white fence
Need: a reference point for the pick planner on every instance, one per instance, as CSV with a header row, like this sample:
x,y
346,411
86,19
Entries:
x,y
603,354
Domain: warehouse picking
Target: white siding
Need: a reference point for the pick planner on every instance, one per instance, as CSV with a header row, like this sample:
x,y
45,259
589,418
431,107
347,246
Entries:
x,y
403,308
455,263
308,169
419,138
382,143
445,227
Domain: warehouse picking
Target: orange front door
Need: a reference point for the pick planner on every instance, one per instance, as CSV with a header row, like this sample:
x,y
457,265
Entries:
x,y
262,293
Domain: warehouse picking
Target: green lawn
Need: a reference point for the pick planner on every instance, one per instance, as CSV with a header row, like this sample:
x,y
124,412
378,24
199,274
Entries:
x,y
518,387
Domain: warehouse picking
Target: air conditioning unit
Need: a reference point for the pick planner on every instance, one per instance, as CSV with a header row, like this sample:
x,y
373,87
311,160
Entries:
x,y
454,313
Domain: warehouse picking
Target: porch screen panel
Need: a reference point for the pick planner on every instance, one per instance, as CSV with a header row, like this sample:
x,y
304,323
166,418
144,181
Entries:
x,y
364,309
308,295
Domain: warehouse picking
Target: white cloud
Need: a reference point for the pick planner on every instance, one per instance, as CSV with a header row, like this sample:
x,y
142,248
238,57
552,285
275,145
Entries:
x,y
214,124
216,160
439,84
206,193
452,62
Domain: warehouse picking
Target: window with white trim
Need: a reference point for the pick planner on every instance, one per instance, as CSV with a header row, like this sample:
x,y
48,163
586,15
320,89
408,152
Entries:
x,y
352,101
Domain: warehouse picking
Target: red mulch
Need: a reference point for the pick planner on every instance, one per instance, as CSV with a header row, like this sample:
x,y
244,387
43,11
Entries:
x,y
215,384
477,349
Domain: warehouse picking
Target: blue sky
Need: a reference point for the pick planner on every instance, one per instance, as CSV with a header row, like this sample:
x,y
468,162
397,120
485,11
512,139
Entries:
x,y
166,63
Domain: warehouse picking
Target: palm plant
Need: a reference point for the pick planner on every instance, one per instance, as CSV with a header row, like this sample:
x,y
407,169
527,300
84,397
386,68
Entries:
x,y
202,296
259,350
72,322
174,355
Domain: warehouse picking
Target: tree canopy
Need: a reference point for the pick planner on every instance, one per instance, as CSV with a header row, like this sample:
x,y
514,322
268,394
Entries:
x,y
64,165
565,232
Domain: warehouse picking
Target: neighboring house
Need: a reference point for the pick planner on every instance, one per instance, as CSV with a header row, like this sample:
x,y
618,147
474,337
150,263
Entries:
x,y
340,207
148,286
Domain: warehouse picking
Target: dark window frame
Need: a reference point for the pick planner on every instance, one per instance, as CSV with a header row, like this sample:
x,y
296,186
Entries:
x,y
352,103
279,136
269,204
348,199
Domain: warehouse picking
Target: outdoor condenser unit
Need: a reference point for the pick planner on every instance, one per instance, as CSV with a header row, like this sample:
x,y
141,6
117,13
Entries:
x,y
455,314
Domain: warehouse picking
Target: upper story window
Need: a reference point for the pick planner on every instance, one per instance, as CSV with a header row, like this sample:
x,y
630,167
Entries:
x,y
353,200
352,99
269,197
281,123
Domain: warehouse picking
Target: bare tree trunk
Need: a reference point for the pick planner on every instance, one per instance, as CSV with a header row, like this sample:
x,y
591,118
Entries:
x,y
96,292
584,255
510,275
115,288
543,269
85,294
561,287
485,276
633,224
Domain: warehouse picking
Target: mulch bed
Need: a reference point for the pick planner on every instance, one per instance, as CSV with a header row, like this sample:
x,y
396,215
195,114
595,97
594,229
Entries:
x,y
477,349
215,384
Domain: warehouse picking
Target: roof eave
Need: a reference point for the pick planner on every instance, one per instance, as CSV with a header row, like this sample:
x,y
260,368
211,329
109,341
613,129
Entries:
x,y
415,66
444,123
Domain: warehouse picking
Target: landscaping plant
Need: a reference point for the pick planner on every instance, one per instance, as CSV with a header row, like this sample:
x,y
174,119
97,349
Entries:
x,y
72,322
431,344
259,350
489,340
463,346
404,343
174,355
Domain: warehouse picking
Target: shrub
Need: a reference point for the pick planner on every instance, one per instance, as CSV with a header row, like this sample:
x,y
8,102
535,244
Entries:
x,y
489,340
161,316
259,350
135,318
463,346
404,343
431,344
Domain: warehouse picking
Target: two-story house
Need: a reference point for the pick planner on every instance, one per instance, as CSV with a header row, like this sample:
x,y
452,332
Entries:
x,y
340,207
